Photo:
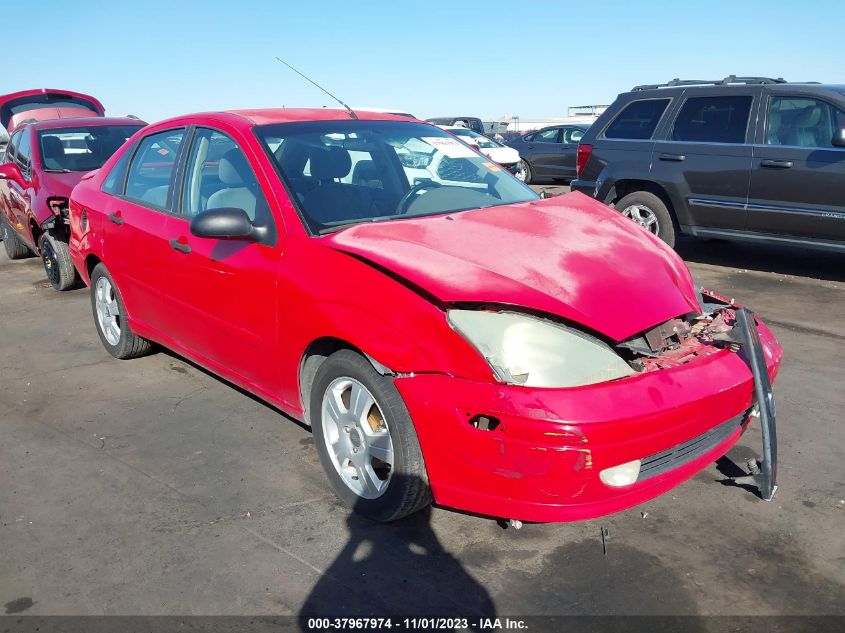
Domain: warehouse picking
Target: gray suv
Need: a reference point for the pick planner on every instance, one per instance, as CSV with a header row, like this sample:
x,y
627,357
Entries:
x,y
746,158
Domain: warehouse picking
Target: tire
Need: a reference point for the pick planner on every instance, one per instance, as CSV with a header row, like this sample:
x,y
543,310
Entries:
x,y
405,485
15,248
655,216
529,173
55,255
120,342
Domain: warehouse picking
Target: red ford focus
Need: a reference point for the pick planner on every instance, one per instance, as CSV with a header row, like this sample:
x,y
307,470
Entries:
x,y
447,334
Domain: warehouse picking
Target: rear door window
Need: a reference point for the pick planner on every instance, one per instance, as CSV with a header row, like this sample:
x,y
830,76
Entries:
x,y
713,119
151,171
638,119
572,135
24,153
802,122
549,135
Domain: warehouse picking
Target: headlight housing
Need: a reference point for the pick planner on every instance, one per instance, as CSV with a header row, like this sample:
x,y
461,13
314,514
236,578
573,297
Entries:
x,y
534,352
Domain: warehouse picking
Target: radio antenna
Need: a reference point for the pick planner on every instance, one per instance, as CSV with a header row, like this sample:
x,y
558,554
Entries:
x,y
348,109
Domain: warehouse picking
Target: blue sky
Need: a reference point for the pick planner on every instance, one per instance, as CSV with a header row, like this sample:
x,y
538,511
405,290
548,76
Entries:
x,y
534,59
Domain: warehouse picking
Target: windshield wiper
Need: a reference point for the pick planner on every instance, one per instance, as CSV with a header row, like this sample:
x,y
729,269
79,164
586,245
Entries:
x,y
59,171
344,225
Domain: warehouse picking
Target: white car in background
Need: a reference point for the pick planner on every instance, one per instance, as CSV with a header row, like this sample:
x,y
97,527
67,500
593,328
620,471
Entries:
x,y
505,156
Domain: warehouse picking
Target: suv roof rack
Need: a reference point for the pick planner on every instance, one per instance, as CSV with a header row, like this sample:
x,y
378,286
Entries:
x,y
730,79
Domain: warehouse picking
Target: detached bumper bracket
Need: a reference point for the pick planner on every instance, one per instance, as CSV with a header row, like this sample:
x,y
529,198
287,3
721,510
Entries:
x,y
766,479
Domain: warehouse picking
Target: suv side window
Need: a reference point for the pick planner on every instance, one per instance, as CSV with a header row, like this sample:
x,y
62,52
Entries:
x,y
23,156
218,175
151,170
713,119
546,136
802,122
638,119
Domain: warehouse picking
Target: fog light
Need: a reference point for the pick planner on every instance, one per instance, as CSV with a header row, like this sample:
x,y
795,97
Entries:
x,y
622,475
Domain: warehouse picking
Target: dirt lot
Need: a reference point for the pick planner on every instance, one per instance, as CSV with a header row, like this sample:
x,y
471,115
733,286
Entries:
x,y
151,487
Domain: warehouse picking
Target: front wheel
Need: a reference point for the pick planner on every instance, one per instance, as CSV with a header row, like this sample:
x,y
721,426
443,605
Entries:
x,y
110,318
366,440
57,263
650,212
525,170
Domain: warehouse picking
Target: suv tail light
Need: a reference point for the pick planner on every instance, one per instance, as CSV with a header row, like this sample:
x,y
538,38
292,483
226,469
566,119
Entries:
x,y
581,158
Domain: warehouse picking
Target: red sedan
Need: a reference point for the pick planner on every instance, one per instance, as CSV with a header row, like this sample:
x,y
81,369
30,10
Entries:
x,y
447,334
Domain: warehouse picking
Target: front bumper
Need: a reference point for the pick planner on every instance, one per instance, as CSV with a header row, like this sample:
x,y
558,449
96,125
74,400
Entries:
x,y
542,462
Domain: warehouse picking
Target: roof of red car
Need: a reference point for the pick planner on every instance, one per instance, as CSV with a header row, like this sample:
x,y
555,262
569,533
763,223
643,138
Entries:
x,y
269,116
50,124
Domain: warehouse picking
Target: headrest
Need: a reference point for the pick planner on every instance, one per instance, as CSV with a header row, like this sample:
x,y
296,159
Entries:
x,y
292,157
233,168
51,147
810,116
774,120
332,162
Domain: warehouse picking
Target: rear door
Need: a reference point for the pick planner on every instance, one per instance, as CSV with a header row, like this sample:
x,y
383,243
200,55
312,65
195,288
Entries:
x,y
5,190
798,179
569,139
136,250
20,197
543,152
224,291
706,155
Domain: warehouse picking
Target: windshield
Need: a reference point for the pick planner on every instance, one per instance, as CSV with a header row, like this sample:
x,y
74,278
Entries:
x,y
81,148
346,172
479,139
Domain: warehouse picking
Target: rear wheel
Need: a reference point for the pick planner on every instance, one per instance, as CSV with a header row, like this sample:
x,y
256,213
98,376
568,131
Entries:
x,y
366,440
57,263
650,212
109,316
15,248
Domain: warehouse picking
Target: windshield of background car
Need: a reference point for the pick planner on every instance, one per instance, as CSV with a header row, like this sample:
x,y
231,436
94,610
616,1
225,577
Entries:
x,y
81,148
479,139
347,172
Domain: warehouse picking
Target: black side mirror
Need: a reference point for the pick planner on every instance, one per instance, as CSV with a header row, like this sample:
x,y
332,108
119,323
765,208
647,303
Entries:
x,y
838,139
226,223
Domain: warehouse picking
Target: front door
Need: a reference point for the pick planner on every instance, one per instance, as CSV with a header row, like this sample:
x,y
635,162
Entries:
x,y
798,181
136,250
224,291
707,155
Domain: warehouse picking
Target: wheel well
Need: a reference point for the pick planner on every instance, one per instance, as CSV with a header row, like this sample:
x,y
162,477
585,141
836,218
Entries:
x,y
317,352
35,230
623,187
90,262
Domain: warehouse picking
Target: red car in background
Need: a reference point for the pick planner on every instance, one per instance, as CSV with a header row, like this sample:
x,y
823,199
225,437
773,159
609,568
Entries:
x,y
445,332
46,103
43,162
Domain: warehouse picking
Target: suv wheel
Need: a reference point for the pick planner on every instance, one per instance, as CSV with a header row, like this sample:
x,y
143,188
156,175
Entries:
x,y
366,440
650,212
15,248
57,263
109,316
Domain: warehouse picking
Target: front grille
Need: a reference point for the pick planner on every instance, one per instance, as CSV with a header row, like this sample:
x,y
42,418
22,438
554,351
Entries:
x,y
681,454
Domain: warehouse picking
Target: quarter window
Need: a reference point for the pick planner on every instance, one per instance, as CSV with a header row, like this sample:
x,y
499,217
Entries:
x,y
802,122
638,119
218,175
713,120
151,170
546,136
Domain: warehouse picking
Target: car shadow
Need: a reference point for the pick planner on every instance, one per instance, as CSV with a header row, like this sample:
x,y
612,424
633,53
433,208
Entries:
x,y
399,569
786,260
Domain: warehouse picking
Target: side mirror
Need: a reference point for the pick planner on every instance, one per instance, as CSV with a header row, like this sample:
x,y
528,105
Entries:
x,y
10,171
226,223
838,139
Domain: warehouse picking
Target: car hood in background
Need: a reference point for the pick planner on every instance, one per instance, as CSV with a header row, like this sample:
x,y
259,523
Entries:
x,y
502,155
570,256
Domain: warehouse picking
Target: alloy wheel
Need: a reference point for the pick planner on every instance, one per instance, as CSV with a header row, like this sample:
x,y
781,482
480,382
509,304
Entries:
x,y
357,438
643,216
108,311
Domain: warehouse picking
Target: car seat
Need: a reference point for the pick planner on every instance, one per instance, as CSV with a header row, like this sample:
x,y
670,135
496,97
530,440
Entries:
x,y
332,201
52,152
234,172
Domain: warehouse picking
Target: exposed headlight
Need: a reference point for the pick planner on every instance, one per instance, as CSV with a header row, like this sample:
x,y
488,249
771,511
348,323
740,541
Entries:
x,y
534,352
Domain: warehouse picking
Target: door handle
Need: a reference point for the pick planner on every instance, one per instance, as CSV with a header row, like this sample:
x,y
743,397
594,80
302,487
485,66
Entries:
x,y
116,217
180,244
675,157
777,164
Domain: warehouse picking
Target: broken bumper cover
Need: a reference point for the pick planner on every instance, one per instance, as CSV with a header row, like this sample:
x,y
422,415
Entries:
x,y
542,461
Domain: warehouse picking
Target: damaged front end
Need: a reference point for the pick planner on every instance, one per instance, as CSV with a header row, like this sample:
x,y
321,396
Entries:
x,y
721,325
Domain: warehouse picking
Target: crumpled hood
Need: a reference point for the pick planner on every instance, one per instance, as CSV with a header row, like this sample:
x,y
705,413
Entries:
x,y
570,255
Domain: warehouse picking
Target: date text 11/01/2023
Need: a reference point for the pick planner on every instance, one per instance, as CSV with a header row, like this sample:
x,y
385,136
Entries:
x,y
416,624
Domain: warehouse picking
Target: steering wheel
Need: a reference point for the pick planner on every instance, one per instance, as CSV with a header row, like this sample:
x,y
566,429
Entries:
x,y
406,200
